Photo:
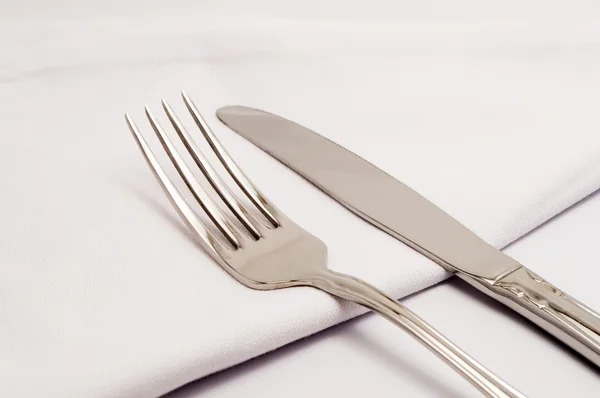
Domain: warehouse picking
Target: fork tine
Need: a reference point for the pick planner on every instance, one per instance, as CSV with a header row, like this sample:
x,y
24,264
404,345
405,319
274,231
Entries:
x,y
259,200
211,175
199,193
185,212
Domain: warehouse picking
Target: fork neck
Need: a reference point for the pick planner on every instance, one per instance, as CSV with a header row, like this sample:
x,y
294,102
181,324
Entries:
x,y
350,288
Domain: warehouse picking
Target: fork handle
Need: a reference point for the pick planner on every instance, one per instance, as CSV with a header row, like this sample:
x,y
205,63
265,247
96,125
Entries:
x,y
360,292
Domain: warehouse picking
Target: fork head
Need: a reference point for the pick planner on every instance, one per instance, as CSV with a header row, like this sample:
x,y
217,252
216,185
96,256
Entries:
x,y
267,254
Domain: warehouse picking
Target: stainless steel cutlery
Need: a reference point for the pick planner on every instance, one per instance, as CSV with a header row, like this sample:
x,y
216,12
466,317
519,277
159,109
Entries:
x,y
277,253
403,213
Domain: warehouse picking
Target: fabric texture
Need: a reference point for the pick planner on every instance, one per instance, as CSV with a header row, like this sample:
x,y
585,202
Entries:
x,y
103,292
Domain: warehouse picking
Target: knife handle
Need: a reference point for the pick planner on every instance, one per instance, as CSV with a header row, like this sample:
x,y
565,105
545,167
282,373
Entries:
x,y
567,319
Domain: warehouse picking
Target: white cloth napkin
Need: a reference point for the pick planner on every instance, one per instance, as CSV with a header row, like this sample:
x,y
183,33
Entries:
x,y
103,293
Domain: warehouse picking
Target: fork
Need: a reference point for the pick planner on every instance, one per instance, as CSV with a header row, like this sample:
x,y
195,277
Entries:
x,y
278,253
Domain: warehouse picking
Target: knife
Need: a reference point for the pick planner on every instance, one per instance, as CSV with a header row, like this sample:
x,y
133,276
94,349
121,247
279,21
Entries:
x,y
397,209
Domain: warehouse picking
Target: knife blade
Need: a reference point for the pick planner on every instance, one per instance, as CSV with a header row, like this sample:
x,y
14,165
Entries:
x,y
397,209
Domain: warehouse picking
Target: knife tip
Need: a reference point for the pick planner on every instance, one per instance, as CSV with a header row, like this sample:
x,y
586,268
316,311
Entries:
x,y
232,111
230,108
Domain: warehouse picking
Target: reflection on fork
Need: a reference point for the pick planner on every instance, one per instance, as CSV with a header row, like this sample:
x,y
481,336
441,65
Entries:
x,y
278,253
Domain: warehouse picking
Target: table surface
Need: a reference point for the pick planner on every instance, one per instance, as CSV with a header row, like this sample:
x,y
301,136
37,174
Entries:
x,y
368,356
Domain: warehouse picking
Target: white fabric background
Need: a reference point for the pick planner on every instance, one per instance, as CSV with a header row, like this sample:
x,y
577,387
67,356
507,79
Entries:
x,y
103,293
